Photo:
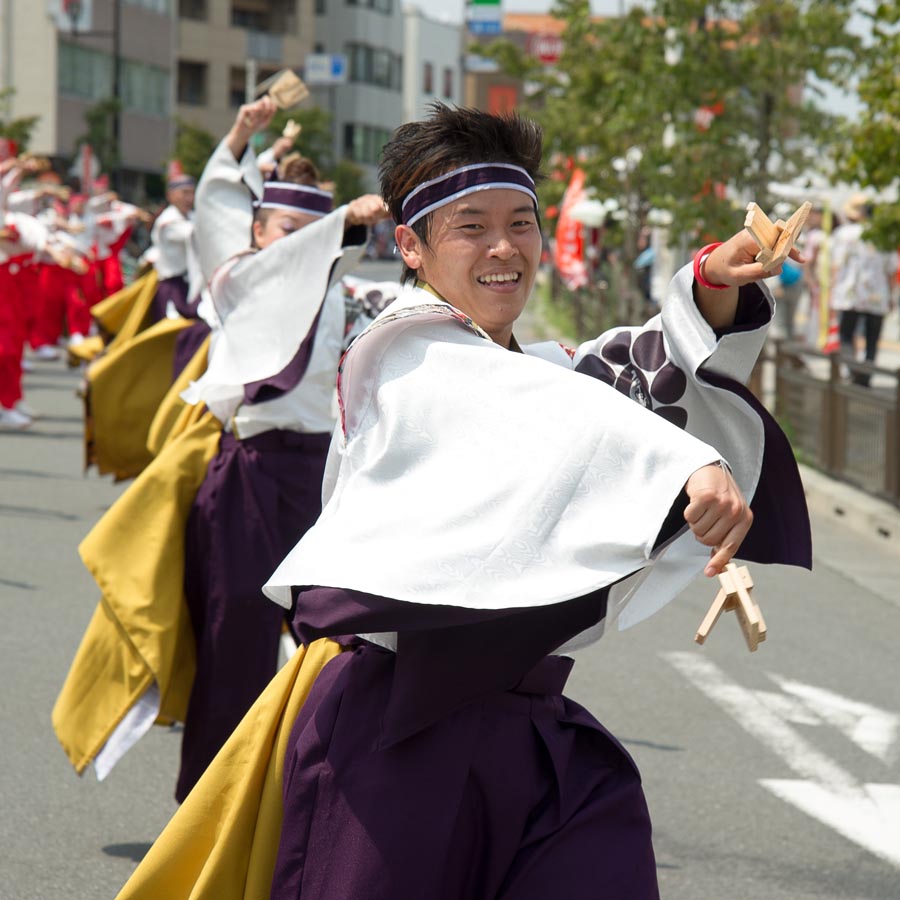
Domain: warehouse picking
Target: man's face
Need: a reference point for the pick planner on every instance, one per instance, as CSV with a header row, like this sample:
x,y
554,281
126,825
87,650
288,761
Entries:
x,y
482,256
279,223
182,199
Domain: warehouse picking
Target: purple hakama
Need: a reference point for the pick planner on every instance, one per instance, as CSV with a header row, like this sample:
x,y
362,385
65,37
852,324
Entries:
x,y
187,343
259,497
520,794
174,290
454,768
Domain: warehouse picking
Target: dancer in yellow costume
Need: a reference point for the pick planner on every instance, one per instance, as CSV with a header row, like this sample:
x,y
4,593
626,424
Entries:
x,y
138,660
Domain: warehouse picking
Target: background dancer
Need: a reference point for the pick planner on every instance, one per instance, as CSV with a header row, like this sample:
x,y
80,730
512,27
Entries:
x,y
211,516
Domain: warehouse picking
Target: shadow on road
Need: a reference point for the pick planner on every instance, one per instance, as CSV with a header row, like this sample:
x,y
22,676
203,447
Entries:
x,y
133,851
634,742
38,433
29,512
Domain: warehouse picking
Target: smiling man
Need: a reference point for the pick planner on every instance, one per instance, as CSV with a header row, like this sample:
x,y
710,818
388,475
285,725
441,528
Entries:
x,y
486,509
485,512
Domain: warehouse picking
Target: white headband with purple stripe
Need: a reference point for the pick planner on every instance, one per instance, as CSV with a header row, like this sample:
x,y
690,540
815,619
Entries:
x,y
297,197
180,181
444,189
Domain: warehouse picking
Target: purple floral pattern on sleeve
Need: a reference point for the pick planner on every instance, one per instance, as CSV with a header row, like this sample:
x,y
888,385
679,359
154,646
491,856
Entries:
x,y
639,367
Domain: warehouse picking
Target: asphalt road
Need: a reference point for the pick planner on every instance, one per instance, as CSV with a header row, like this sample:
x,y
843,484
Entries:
x,y
770,776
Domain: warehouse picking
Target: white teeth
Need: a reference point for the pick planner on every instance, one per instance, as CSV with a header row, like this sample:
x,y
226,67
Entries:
x,y
500,278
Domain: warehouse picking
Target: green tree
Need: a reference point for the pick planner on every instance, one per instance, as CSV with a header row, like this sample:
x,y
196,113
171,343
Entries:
x,y
315,143
193,147
626,96
19,129
348,181
101,133
870,152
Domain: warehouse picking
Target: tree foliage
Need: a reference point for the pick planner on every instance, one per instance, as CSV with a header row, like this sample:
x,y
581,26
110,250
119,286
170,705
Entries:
x,y
193,147
17,129
870,151
628,92
315,143
100,120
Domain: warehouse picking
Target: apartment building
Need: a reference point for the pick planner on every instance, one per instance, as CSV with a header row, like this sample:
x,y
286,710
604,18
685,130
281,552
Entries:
x,y
226,47
398,60
198,60
58,73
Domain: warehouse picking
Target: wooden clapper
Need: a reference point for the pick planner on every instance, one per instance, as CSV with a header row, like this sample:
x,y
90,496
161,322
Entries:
x,y
285,88
775,239
735,595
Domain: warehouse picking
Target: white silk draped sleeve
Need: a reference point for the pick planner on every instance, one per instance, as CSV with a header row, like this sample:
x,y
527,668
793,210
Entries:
x,y
223,213
471,476
667,366
267,302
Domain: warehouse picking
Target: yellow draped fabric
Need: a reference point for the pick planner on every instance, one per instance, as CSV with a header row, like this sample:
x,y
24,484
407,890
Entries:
x,y
140,631
126,316
111,313
173,414
89,349
223,841
125,388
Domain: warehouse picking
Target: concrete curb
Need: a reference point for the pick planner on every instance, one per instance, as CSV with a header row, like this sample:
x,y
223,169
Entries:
x,y
852,508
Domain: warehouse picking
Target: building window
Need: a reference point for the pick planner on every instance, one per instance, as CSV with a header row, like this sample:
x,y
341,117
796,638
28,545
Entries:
x,y
144,88
448,84
364,143
383,6
375,65
193,9
237,86
270,16
321,7
192,83
360,57
157,6
428,78
86,74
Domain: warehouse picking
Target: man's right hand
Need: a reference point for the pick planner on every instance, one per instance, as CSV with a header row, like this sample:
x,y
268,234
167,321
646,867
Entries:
x,y
718,514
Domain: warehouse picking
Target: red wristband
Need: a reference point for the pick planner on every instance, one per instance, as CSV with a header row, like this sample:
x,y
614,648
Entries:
x,y
698,265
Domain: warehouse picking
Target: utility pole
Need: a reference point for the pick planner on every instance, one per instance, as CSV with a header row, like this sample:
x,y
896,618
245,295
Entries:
x,y
117,93
73,9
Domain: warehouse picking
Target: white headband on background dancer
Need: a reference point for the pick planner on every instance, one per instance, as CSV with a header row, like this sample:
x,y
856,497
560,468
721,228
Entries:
x,y
180,181
297,197
444,189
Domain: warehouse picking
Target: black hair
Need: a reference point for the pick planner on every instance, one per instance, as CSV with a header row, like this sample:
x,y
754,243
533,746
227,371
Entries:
x,y
448,138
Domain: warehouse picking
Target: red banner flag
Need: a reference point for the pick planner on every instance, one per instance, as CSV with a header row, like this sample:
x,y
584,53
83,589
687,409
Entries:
x,y
569,253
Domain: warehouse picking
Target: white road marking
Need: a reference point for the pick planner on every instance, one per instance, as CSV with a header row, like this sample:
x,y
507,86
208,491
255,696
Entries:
x,y
870,728
868,815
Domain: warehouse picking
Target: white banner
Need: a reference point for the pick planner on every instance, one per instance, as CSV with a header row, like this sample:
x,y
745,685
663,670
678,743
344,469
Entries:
x,y
72,16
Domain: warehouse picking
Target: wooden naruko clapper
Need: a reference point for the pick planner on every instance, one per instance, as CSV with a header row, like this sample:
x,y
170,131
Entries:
x,y
734,594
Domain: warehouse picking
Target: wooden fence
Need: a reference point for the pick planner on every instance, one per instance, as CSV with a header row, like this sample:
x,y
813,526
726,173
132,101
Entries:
x,y
847,430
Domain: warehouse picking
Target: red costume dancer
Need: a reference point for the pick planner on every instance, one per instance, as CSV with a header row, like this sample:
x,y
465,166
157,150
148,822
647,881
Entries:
x,y
20,236
113,228
48,289
81,286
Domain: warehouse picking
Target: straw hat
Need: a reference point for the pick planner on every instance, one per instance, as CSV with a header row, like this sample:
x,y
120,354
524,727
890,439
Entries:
x,y
855,207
